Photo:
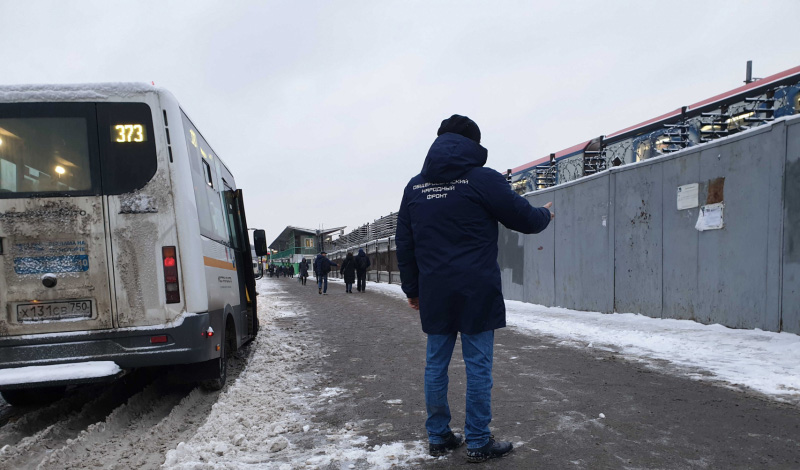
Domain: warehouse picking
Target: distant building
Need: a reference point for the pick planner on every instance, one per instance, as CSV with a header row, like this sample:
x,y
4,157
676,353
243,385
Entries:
x,y
296,243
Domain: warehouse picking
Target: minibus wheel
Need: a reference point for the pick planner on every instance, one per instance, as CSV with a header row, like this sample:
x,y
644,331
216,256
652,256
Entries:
x,y
220,365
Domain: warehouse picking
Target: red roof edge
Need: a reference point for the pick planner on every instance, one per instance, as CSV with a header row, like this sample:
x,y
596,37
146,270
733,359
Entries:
x,y
721,96
749,86
546,159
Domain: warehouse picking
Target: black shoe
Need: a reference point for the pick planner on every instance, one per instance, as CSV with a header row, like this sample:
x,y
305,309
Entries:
x,y
320,291
453,441
491,450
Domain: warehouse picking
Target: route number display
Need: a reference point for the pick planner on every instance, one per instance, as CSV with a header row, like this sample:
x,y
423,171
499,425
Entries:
x,y
124,133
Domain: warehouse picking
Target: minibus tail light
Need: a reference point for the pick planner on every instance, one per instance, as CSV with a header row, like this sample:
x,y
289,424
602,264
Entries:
x,y
171,287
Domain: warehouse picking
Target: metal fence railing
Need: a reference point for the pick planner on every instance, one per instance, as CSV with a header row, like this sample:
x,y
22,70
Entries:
x,y
377,241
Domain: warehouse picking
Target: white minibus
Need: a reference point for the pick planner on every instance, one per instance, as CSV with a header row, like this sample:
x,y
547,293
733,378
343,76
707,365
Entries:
x,y
123,240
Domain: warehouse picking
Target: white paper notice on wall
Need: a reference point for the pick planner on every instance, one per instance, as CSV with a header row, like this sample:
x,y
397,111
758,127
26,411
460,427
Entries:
x,y
688,196
710,217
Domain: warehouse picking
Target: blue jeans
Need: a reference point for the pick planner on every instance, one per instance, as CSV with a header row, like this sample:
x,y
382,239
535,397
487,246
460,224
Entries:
x,y
320,278
478,352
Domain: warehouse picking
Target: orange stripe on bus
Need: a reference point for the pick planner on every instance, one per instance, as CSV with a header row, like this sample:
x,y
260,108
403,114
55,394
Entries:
x,y
215,263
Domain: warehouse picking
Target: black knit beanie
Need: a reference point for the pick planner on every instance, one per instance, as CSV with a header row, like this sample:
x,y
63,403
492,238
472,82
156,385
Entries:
x,y
461,125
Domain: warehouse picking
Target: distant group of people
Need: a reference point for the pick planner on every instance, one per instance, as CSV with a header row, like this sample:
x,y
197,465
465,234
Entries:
x,y
285,270
353,269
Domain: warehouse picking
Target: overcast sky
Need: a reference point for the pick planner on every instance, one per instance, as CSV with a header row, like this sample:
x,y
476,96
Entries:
x,y
323,110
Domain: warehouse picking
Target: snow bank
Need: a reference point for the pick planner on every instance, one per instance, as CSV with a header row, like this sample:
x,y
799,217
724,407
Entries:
x,y
265,419
760,360
763,361
58,372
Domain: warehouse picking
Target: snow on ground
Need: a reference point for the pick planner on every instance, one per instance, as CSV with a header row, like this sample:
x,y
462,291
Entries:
x,y
57,372
264,419
762,361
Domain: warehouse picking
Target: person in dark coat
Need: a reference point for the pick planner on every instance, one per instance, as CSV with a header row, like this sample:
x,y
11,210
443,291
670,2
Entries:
x,y
291,271
322,266
447,254
303,271
362,263
348,271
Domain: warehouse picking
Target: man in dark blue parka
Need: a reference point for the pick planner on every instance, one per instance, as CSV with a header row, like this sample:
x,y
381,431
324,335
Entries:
x,y
447,255
322,266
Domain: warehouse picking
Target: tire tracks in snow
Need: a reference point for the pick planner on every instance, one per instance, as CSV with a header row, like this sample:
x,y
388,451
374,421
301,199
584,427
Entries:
x,y
130,423
28,440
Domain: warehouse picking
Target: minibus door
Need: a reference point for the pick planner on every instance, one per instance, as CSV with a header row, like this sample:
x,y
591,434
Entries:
x,y
244,259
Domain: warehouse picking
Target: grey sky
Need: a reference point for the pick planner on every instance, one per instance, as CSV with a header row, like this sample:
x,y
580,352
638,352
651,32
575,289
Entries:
x,y
323,110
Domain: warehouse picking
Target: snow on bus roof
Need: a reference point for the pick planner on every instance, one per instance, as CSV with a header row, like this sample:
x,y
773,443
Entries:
x,y
73,92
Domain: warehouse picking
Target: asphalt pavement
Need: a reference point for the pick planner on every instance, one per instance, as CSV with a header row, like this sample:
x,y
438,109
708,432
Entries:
x,y
563,407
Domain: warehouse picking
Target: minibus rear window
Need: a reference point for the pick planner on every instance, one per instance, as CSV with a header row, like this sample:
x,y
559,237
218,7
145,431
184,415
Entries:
x,y
44,155
75,149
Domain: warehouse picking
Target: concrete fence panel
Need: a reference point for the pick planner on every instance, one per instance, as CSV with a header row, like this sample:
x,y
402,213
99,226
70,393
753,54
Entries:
x,y
539,258
790,301
511,259
732,263
583,278
637,240
680,240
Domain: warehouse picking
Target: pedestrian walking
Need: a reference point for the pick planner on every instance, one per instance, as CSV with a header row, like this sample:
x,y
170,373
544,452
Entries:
x,y
303,271
322,266
271,269
362,263
447,254
291,271
348,271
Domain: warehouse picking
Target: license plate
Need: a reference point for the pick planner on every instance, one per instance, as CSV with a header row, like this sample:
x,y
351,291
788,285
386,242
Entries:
x,y
57,310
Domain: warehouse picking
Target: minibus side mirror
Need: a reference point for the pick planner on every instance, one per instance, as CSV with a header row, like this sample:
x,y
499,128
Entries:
x,y
260,241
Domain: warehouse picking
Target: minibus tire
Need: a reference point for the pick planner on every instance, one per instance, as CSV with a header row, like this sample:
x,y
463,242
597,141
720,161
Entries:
x,y
33,396
220,365
220,368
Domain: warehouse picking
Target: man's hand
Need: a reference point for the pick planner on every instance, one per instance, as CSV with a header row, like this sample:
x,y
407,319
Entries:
x,y
548,206
413,302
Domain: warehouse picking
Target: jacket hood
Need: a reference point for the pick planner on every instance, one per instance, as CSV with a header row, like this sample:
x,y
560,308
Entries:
x,y
361,252
450,156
